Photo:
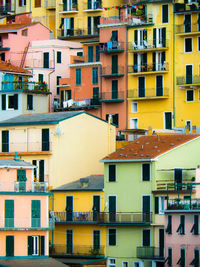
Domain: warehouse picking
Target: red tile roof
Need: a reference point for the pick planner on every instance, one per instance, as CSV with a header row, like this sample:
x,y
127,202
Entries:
x,y
150,147
14,26
8,67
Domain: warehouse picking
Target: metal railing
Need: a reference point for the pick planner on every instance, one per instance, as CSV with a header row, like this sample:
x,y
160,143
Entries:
x,y
112,46
92,5
109,71
78,32
148,67
149,44
76,250
75,216
190,28
183,204
50,4
125,217
40,187
34,86
180,80
113,95
148,93
163,184
150,253
65,8
12,147
131,20
80,103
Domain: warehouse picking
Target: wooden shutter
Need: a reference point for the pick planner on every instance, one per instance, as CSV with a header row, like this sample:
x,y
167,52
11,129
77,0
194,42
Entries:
x,y
114,64
189,74
154,37
159,85
164,37
112,173
30,245
41,170
58,57
9,213
35,212
45,139
136,37
78,76
96,239
154,61
5,141
112,237
37,3
42,245
156,205
146,172
114,36
3,102
95,75
114,89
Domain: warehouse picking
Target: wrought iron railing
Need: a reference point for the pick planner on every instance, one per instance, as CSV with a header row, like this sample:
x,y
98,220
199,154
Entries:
x,y
78,32
148,67
112,46
109,71
187,28
125,217
148,93
183,204
189,79
25,85
113,95
148,44
150,253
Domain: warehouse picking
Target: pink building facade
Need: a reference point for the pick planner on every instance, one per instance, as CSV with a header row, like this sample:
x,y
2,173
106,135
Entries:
x,y
24,218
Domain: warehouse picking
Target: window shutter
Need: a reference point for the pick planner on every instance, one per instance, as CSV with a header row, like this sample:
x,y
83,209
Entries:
x,y
46,60
42,245
30,102
45,139
146,172
5,141
154,37
146,238
164,13
136,37
90,53
3,102
163,57
21,175
135,63
41,170
15,101
30,245
97,53
89,25
96,239
164,37
58,57
112,237
20,2
154,61
156,205
35,211
9,213
112,173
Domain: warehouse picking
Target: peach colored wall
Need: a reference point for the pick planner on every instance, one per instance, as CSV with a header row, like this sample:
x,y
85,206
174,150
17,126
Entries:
x,y
20,237
189,241
17,42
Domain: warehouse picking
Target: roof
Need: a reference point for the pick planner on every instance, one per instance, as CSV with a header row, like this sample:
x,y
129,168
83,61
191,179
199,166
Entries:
x,y
36,262
12,163
8,67
14,27
44,118
53,43
149,147
91,183
94,40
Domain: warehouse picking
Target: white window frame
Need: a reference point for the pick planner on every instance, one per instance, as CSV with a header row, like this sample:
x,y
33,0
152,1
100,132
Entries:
x,y
133,105
193,96
35,245
185,45
159,41
135,120
161,200
111,264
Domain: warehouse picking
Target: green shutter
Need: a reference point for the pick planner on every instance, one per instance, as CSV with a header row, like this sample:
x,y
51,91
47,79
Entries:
x,y
30,245
135,62
146,238
21,178
5,141
96,239
89,25
95,75
156,205
163,57
3,102
45,139
10,246
40,78
144,59
112,237
15,101
46,60
114,36
112,173
164,37
69,246
182,257
196,223
154,61
97,53
90,53
78,76
136,37
59,60
168,120
95,92
141,83
42,245
189,74
164,13
9,213
114,89
146,172
159,85
169,257
154,37
114,64
35,213
41,170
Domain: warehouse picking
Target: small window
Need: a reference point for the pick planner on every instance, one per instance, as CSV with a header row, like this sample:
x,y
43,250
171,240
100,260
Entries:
x,y
160,205
112,237
94,75
112,173
111,262
59,57
134,123
12,101
188,44
29,102
136,264
169,225
134,107
190,95
40,78
124,263
78,76
195,227
114,119
165,14
25,32
181,228
46,60
146,172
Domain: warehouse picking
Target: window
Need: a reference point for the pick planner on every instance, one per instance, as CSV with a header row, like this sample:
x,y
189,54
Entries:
x,y
124,263
93,23
5,141
59,57
181,228
168,120
141,86
134,107
136,264
139,37
35,213
21,179
169,258
169,225
36,245
97,53
90,53
94,75
159,85
146,172
146,238
165,14
41,170
25,32
22,3
34,162
69,241
114,119
37,3
195,227
160,205
45,139
188,45
12,102
178,178
9,246
9,213
40,78
30,102
112,173
187,23
134,123
189,95
46,60
78,76
3,56
198,43
181,260
57,84
111,262
96,239
195,261
159,37
189,74
112,237
188,124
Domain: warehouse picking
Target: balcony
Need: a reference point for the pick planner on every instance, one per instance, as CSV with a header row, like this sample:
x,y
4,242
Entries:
x,y
81,104
150,253
183,204
149,45
50,4
8,224
78,33
113,96
182,8
76,250
134,21
191,29
148,93
125,218
76,217
148,68
64,8
35,187
4,9
109,72
26,85
112,47
188,81
170,186
92,6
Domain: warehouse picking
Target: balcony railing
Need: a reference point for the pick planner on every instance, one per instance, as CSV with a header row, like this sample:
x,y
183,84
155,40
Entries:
x,y
35,187
151,253
181,80
50,4
76,250
148,68
22,147
76,217
78,32
40,187
163,185
92,5
148,93
113,96
34,86
183,204
109,71
131,20
82,103
66,8
125,217
25,223
114,46
148,45
5,8
188,29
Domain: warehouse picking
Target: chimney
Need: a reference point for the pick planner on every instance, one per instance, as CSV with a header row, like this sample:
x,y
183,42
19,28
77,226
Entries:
x,y
194,129
149,131
84,182
187,129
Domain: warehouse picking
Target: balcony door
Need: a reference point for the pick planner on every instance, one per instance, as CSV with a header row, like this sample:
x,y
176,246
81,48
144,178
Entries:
x,y
69,241
168,120
96,207
9,246
178,178
112,208
141,86
115,89
146,208
159,85
187,23
161,242
69,208
114,64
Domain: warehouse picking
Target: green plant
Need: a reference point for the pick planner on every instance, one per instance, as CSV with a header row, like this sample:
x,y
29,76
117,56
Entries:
x,y
95,251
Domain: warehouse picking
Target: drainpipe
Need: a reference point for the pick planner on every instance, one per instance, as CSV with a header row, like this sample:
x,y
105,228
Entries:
x,y
52,232
49,81
174,94
126,93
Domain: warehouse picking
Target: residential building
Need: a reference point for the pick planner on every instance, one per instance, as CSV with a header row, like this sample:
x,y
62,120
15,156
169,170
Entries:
x,y
78,235
64,145
48,60
28,226
18,94
135,186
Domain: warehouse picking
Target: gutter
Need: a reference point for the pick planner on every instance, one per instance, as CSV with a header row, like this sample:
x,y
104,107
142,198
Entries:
x,y
126,160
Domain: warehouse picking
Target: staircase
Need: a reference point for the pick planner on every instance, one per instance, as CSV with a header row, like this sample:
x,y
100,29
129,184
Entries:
x,y
24,55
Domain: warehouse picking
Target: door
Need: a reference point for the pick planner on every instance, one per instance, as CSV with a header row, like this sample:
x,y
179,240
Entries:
x,y
115,89
45,139
5,141
187,23
146,208
95,100
168,120
96,239
161,242
9,246
141,91
35,209
159,85
96,207
188,74
114,64
21,179
69,208
69,243
178,178
46,60
112,208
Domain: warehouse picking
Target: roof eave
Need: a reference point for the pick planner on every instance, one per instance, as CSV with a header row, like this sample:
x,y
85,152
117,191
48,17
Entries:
x,y
126,160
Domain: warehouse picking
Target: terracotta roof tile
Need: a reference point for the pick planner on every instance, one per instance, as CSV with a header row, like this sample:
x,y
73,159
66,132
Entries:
x,y
7,66
14,26
150,147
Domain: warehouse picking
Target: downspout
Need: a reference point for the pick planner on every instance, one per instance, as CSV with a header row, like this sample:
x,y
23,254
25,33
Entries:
x,y
127,102
49,81
174,95
52,232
